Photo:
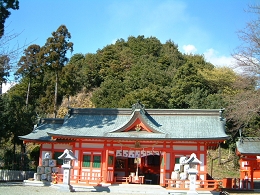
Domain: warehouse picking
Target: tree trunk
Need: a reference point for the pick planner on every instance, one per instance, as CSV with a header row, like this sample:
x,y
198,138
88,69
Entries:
x,y
56,95
28,92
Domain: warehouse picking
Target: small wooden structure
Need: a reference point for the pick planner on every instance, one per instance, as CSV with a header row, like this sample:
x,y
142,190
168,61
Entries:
x,y
108,142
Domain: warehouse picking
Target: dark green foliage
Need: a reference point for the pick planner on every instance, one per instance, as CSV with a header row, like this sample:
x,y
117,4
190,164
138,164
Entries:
x,y
34,155
70,79
188,85
109,93
15,161
140,68
141,46
3,133
252,129
19,118
29,64
16,120
157,74
53,56
91,71
5,6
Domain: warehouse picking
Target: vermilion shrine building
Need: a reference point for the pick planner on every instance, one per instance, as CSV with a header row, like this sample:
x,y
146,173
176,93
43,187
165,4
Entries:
x,y
114,143
248,149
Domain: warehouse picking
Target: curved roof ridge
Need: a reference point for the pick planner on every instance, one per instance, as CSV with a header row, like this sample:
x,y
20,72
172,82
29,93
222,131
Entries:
x,y
141,114
150,123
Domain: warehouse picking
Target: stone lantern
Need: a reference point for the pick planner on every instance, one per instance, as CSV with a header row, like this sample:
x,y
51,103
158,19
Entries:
x,y
67,158
192,171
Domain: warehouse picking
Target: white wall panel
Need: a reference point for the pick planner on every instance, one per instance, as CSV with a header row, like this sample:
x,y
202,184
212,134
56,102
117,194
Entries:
x,y
182,147
47,146
92,145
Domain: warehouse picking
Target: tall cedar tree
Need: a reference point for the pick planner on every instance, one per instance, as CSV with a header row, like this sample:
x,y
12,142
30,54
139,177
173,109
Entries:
x,y
53,55
29,66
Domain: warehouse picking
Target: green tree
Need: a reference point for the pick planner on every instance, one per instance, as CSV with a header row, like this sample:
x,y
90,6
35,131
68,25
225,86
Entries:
x,y
152,96
71,76
220,80
109,93
91,71
53,55
171,57
19,121
185,82
5,6
144,46
29,66
3,133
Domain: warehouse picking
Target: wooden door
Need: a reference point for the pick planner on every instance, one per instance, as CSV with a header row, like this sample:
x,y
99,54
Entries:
x,y
110,156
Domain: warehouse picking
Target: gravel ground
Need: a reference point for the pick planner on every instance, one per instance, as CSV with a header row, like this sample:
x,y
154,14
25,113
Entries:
x,y
20,189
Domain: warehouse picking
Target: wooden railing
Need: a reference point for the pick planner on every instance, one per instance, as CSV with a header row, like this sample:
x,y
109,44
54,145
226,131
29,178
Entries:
x,y
209,185
226,184
79,179
125,180
130,179
237,184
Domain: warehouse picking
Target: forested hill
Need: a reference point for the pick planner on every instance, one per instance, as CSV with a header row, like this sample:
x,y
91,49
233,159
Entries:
x,y
118,75
144,69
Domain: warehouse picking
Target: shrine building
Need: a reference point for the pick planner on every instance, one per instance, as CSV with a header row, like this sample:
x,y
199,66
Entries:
x,y
248,150
111,144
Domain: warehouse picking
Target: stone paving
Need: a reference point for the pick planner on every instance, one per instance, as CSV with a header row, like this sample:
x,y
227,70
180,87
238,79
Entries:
x,y
21,189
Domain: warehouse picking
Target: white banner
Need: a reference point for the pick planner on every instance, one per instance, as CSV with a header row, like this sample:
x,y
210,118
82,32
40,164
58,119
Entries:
x,y
125,153
136,153
119,153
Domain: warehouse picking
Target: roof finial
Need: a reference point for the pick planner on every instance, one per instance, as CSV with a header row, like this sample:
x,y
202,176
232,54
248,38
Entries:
x,y
138,105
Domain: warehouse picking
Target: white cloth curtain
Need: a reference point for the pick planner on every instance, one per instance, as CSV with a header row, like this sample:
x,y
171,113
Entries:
x,y
136,153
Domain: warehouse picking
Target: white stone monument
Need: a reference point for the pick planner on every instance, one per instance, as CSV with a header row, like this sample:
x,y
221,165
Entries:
x,y
192,171
67,157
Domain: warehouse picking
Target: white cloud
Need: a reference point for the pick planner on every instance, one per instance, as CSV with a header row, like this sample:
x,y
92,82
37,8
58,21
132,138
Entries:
x,y
189,49
7,86
213,57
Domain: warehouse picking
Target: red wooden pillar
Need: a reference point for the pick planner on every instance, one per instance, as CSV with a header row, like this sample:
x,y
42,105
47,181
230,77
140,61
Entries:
x,y
108,173
162,169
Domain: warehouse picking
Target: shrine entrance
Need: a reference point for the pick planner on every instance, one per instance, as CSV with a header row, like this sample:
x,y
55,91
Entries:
x,y
147,167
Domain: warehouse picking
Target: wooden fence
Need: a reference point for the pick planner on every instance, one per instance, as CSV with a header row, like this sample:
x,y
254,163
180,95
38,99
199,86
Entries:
x,y
12,175
210,185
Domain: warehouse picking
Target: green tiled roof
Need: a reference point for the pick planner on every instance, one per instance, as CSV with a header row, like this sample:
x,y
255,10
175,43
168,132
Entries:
x,y
248,146
40,131
164,123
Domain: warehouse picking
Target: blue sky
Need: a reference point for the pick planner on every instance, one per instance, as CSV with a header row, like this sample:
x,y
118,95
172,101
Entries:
x,y
207,27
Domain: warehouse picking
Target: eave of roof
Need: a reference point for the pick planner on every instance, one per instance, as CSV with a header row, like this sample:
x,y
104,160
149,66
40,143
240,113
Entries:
x,y
166,124
248,146
40,131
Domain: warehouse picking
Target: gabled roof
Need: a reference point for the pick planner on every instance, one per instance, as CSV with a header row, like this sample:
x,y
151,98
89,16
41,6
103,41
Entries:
x,y
164,124
248,146
121,123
